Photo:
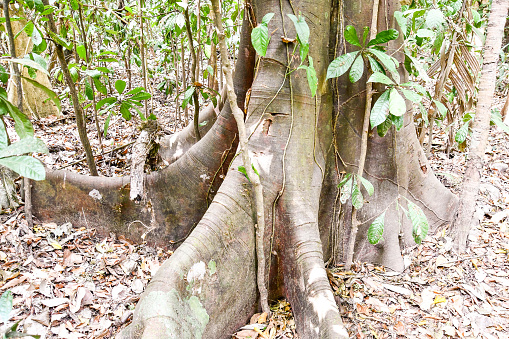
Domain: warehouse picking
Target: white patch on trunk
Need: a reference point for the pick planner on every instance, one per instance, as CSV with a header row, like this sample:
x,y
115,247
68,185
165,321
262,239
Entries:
x,y
95,194
204,177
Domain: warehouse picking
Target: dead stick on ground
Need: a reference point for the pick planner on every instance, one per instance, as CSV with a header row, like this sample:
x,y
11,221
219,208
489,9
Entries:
x,y
98,155
253,177
364,145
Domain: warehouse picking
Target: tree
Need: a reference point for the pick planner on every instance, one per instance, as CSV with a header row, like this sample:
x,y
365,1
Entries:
x,y
302,146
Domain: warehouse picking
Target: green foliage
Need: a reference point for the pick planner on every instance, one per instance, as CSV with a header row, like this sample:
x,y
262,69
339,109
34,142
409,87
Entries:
x,y
260,35
5,310
376,230
419,222
349,189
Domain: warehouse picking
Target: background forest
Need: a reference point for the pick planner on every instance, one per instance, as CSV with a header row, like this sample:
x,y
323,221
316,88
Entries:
x,y
122,88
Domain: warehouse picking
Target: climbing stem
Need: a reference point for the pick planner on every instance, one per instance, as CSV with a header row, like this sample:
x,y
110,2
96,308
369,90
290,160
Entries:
x,y
364,146
253,177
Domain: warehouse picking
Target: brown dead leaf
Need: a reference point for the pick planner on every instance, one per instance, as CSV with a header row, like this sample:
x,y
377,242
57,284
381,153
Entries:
x,y
400,328
246,334
262,319
70,258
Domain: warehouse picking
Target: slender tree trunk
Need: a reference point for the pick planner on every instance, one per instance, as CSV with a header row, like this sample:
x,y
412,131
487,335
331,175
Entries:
x,y
78,110
481,124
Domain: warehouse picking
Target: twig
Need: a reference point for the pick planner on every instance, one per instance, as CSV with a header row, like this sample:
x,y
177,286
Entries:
x,y
98,155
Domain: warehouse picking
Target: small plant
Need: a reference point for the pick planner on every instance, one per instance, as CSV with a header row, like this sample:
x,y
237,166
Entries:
x,y
5,310
124,103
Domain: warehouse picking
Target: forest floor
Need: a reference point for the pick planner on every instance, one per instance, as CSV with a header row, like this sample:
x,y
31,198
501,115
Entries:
x,y
72,283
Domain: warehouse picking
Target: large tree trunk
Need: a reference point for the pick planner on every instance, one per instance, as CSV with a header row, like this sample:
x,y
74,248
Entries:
x,y
208,287
36,102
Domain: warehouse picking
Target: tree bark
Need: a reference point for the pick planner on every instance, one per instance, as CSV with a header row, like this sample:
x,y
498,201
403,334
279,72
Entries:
x,y
481,124
299,144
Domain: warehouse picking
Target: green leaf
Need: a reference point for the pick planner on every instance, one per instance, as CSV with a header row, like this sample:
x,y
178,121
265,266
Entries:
x,y
81,52
25,166
4,76
51,95
367,185
242,170
461,133
437,44
402,22
381,78
346,189
351,35
30,63
39,5
301,27
344,180
397,104
141,96
107,123
125,110
89,91
397,121
312,78
357,69
303,51
376,230
380,110
5,306
74,4
425,33
365,34
384,127
109,101
187,96
59,40
100,87
357,198
422,73
212,267
424,113
435,18
74,73
341,64
120,86
36,37
410,95
441,107
266,18
384,36
496,118
419,222
260,39
24,146
22,124
388,63
4,138
375,65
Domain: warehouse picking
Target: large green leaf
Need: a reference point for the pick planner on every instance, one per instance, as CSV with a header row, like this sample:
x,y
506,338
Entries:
x,y
30,63
376,230
376,67
99,85
367,185
301,27
351,35
402,22
89,92
357,69
125,110
141,96
357,198
24,146
266,18
81,52
381,78
435,18
410,95
496,118
388,62
59,40
25,166
4,138
441,107
384,36
51,95
109,101
461,133
419,222
120,86
22,124
380,110
5,306
312,78
4,75
74,5
260,39
425,33
341,64
397,105
384,127
397,121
